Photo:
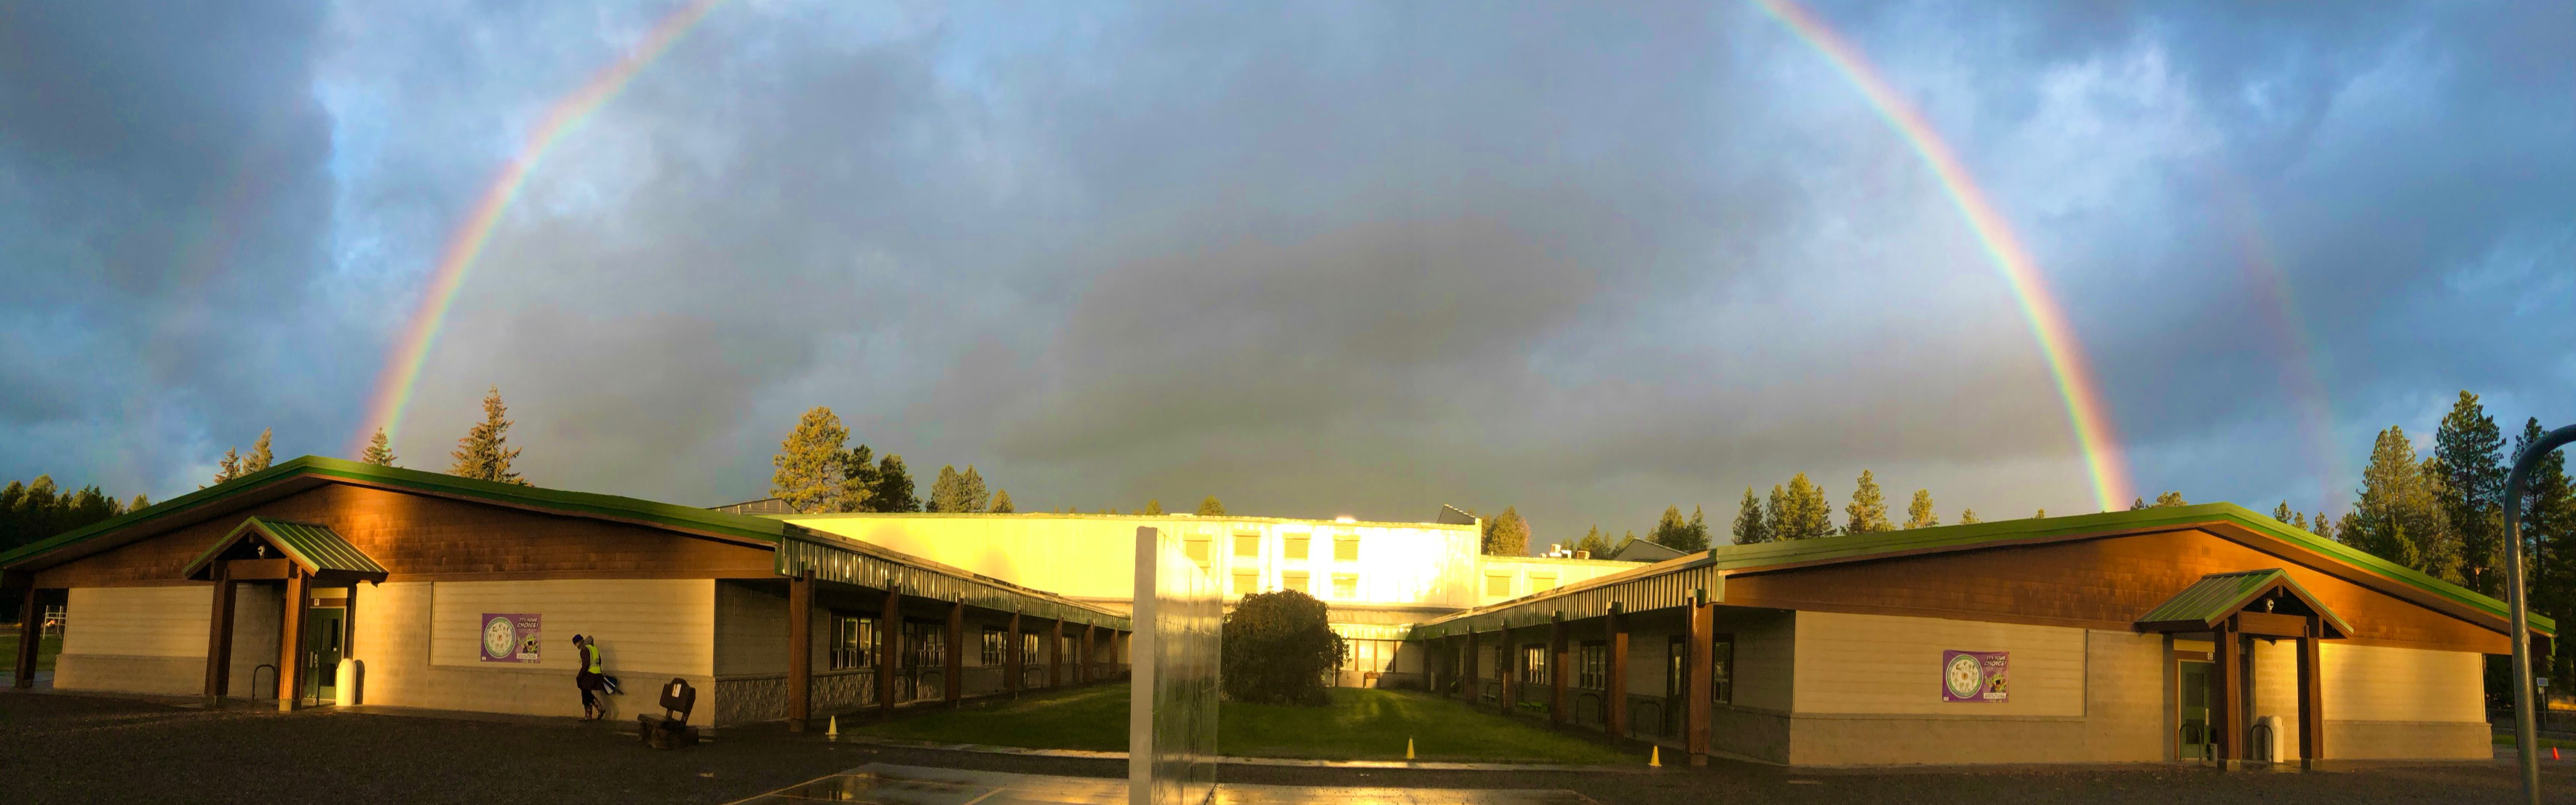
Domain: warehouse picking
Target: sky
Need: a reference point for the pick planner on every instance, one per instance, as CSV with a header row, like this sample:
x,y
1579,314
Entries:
x,y
1315,259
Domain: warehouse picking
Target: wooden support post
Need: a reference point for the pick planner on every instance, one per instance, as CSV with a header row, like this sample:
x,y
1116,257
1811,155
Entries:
x,y
1090,653
889,642
219,633
31,628
1013,657
1703,645
290,640
2223,719
800,650
956,652
1556,671
349,626
1055,654
1507,673
1470,684
2312,711
1614,718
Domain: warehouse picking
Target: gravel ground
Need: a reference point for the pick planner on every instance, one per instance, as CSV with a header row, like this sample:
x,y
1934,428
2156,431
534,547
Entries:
x,y
76,749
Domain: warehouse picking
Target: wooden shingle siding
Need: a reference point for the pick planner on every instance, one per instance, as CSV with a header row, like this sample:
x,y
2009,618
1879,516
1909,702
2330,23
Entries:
x,y
2098,584
418,537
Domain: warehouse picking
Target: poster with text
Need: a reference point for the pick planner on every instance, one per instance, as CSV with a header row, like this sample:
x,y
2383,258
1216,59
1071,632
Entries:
x,y
1973,676
509,637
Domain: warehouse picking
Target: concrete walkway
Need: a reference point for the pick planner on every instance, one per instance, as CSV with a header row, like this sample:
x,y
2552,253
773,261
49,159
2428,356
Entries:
x,y
886,784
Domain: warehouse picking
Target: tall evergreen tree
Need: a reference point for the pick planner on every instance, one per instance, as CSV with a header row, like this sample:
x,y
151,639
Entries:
x,y
970,490
380,450
484,452
2468,477
230,467
1211,507
1867,512
2281,513
1698,531
260,457
139,503
2138,505
1806,514
2399,517
947,493
1001,502
1595,544
1749,526
893,491
1968,517
2320,526
2299,520
1775,513
1152,506
1670,531
810,463
1507,534
2170,499
859,480
1919,514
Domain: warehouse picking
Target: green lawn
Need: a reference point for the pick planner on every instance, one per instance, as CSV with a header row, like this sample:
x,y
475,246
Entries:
x,y
2506,739
1358,725
45,650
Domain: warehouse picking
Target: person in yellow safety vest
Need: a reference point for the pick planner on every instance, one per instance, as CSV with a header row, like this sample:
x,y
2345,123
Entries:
x,y
588,679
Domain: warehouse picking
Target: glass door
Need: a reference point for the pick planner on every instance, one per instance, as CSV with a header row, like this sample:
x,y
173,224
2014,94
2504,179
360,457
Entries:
x,y
322,635
2199,739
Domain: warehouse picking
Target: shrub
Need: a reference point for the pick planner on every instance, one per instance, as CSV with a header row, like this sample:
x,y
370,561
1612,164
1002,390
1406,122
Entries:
x,y
1279,648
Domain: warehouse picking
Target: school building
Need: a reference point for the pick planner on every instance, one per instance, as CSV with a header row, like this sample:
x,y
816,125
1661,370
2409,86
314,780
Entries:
x,y
2178,634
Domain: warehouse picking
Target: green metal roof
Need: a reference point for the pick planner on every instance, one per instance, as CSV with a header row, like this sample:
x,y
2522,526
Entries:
x,y
316,548
1732,559
2218,595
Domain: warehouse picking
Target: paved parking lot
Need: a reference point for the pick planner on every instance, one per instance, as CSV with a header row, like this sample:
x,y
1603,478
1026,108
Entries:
x,y
73,749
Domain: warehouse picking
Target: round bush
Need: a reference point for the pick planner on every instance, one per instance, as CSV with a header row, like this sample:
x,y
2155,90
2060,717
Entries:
x,y
1279,648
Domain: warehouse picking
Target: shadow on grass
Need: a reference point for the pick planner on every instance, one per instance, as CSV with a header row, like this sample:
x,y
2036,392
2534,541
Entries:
x,y
1358,725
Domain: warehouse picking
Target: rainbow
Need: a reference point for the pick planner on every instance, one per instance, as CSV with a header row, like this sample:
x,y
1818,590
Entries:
x,y
2076,383
411,349
2271,287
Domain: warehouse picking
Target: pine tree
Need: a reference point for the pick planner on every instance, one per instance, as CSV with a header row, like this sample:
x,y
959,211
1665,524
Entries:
x,y
139,503
2170,499
260,457
1507,534
1805,514
2040,515
859,480
380,450
2299,520
2322,527
2399,516
1153,506
1698,532
2138,505
2468,477
2281,513
809,463
947,493
893,492
230,467
1211,507
1919,514
1867,512
1001,502
1775,513
1968,517
1670,531
483,453
1595,544
970,490
1749,526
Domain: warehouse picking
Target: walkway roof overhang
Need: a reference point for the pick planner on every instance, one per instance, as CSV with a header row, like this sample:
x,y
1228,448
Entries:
x,y
321,553
2216,597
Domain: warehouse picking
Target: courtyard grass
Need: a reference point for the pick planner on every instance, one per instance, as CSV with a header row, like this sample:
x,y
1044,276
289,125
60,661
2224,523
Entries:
x,y
46,648
1360,724
2506,739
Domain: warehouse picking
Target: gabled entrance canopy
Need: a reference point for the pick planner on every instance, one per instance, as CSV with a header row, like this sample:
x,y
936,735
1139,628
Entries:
x,y
320,553
2274,601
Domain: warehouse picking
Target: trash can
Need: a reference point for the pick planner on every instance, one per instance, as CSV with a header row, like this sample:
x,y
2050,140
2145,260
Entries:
x,y
2266,739
345,693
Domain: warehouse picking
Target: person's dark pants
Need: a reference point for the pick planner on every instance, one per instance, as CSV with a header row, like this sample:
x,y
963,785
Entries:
x,y
589,684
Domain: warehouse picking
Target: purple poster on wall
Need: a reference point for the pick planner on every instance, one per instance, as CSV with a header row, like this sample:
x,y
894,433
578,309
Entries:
x,y
509,637
1973,676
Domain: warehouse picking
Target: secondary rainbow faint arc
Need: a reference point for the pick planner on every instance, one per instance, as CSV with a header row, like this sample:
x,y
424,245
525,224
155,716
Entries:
x,y
2076,383
411,350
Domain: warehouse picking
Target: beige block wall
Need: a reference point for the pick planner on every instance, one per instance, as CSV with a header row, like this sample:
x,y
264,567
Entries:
x,y
2276,692
2383,702
418,642
1881,664
1867,693
136,639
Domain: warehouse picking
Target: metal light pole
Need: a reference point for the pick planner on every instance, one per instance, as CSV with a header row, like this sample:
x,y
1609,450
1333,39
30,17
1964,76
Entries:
x,y
2526,735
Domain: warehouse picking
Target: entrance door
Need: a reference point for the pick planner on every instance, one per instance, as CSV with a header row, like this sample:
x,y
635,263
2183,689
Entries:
x,y
2199,740
322,645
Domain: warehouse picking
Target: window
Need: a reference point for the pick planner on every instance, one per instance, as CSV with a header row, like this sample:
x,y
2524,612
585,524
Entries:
x,y
1346,586
1247,545
1534,664
1592,666
1197,549
1346,549
1296,545
1032,653
995,643
854,642
1295,581
1247,582
1498,585
925,644
1676,663
1540,584
1721,670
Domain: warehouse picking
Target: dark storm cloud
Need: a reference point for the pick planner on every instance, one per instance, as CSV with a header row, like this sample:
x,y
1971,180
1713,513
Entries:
x,y
1342,259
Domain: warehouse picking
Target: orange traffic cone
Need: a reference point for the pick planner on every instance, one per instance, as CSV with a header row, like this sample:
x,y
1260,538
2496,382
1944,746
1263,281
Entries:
x,y
2553,753
1655,759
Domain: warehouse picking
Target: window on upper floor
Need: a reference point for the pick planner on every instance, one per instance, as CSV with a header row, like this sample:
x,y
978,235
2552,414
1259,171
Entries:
x,y
1295,545
1540,584
1346,586
1346,549
1247,582
1498,584
1247,545
1196,548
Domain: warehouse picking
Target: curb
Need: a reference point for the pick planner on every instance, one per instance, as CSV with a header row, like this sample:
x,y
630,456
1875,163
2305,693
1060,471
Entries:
x,y
1229,760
